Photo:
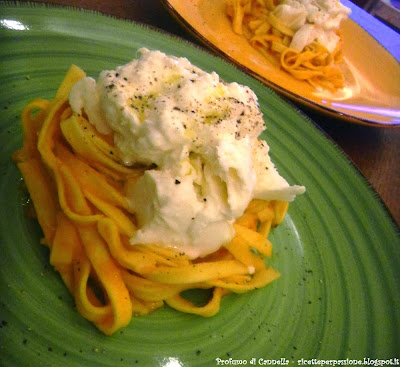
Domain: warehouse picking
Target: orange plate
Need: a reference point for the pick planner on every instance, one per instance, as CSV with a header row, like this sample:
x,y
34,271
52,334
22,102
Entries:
x,y
372,95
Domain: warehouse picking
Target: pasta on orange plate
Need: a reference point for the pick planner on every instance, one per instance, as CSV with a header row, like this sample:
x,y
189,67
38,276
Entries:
x,y
79,184
303,35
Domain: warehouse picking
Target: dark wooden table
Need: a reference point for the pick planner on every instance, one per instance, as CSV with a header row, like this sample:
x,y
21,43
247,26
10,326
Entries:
x,y
374,151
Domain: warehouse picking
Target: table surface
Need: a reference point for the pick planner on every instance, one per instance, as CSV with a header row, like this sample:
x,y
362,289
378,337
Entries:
x,y
374,151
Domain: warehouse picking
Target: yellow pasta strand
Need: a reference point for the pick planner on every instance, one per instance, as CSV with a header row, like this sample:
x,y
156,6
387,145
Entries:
x,y
86,301
91,180
150,291
196,273
82,141
43,196
110,277
143,308
210,309
260,279
238,248
31,125
66,244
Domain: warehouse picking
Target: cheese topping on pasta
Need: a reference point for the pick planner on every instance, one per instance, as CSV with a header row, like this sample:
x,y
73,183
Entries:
x,y
312,21
197,135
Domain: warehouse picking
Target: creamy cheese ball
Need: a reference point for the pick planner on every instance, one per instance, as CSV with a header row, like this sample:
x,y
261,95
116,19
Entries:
x,y
198,134
312,20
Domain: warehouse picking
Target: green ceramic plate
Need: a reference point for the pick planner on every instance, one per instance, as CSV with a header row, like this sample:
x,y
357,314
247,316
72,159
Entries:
x,y
338,250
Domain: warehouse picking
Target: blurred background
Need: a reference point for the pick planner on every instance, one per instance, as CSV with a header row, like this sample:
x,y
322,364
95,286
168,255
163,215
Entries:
x,y
387,11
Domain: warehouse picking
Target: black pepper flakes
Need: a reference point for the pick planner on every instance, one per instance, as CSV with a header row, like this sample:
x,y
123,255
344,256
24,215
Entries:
x,y
177,182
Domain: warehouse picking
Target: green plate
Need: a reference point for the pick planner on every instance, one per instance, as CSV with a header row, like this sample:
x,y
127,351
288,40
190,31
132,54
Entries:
x,y
338,249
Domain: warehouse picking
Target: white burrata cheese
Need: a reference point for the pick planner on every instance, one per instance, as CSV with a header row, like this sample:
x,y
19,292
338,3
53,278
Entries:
x,y
199,137
312,20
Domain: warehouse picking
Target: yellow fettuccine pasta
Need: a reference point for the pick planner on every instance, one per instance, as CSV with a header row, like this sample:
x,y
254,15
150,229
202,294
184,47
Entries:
x,y
315,64
76,183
